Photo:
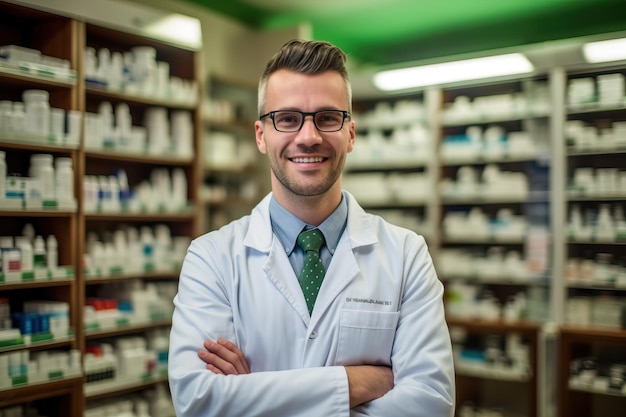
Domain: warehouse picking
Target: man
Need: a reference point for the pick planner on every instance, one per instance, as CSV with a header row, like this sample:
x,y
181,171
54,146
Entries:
x,y
248,340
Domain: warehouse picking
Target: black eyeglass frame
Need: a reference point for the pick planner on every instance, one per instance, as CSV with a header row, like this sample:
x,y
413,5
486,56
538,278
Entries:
x,y
272,114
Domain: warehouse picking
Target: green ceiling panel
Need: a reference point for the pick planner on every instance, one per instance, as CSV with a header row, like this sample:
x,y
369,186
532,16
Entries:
x,y
391,31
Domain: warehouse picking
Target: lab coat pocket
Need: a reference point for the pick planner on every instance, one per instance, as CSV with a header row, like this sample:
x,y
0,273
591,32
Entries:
x,y
366,337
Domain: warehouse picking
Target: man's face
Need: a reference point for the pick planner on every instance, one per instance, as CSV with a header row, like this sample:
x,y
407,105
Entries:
x,y
307,162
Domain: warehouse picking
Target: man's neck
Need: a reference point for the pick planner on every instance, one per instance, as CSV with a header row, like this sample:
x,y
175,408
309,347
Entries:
x,y
312,210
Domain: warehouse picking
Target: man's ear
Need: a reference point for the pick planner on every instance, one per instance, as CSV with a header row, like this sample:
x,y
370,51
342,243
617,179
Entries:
x,y
258,133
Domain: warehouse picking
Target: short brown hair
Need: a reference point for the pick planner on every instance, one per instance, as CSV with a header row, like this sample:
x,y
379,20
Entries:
x,y
305,57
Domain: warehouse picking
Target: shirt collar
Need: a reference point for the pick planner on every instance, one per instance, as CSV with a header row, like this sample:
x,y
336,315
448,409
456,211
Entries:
x,y
287,226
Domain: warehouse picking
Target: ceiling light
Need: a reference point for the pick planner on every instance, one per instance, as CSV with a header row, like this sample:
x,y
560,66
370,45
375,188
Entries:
x,y
454,71
603,51
182,29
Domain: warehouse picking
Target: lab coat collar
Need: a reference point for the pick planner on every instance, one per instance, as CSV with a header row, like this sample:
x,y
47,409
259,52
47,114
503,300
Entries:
x,y
259,237
359,227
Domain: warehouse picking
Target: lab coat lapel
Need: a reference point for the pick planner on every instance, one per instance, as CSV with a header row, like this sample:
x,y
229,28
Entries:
x,y
276,265
278,269
343,267
342,270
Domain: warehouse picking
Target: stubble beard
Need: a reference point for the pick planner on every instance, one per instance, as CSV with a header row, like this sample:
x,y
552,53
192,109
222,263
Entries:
x,y
308,190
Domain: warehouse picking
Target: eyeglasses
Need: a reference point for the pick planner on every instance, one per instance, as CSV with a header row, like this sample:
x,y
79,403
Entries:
x,y
293,120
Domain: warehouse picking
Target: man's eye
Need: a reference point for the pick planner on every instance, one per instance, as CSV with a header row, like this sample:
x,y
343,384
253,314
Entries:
x,y
287,118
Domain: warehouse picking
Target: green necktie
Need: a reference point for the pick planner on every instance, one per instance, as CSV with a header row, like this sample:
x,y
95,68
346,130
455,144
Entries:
x,y
313,272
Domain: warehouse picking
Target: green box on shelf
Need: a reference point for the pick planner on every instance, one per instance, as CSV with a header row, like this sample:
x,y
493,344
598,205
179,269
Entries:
x,y
19,380
41,337
12,342
56,374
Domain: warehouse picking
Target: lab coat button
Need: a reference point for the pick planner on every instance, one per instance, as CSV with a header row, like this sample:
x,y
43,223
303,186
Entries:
x,y
313,335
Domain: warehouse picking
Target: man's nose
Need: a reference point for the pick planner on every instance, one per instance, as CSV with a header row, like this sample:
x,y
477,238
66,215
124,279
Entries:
x,y
308,134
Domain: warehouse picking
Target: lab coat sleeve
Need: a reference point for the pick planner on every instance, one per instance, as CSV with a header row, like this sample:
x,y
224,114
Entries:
x,y
421,355
202,311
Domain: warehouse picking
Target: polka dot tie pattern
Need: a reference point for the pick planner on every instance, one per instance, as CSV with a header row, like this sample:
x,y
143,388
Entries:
x,y
313,271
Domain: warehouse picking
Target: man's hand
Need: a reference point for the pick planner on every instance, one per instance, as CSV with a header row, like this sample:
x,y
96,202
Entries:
x,y
224,357
368,382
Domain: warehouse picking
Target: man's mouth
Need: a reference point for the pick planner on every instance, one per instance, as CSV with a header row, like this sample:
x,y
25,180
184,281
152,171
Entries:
x,y
309,160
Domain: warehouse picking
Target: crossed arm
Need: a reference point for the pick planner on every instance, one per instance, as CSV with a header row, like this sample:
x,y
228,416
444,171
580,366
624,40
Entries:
x,y
365,382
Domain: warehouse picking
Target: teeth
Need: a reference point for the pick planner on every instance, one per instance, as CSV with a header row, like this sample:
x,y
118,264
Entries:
x,y
308,160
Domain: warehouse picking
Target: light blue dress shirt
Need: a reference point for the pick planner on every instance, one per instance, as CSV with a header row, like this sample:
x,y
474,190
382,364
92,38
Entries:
x,y
287,227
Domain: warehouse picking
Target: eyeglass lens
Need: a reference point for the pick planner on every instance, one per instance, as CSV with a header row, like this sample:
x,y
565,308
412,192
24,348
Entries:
x,y
292,121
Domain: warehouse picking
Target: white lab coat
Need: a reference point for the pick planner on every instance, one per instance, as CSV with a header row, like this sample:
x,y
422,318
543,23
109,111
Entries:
x,y
380,303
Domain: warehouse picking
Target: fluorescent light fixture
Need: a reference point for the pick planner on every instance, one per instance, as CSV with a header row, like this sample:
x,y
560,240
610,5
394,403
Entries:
x,y
182,29
454,71
604,51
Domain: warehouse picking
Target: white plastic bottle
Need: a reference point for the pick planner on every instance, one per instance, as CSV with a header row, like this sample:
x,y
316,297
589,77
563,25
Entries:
x,y
3,175
28,231
64,179
605,226
125,409
39,257
141,408
41,168
52,256
23,243
6,116
18,121
37,108
161,402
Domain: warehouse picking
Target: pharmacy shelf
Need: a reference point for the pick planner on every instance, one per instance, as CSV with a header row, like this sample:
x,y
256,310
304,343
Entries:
x,y
67,38
589,388
141,158
65,386
149,275
145,217
99,93
468,115
29,78
37,283
52,378
481,200
593,144
585,334
126,326
488,119
595,243
386,166
230,125
595,108
483,160
97,390
515,240
595,152
36,144
603,286
232,181
54,36
488,326
480,370
574,199
495,280
392,204
48,343
182,220
577,399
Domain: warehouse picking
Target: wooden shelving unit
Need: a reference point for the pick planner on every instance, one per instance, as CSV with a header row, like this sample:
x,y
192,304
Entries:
x,y
67,38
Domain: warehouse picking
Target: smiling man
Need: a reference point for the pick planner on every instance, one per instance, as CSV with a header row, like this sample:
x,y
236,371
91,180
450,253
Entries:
x,y
309,306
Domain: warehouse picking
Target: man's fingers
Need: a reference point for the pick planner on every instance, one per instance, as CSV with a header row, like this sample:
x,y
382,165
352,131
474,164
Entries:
x,y
225,356
214,369
216,364
233,348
